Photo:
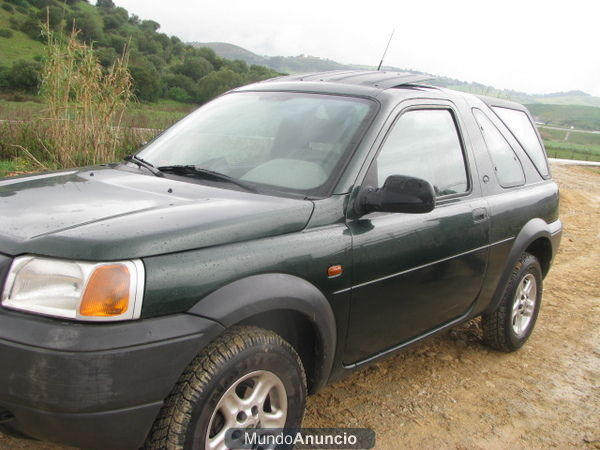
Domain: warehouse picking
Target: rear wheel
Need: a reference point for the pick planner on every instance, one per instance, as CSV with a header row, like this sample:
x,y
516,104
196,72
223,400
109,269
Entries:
x,y
246,378
510,325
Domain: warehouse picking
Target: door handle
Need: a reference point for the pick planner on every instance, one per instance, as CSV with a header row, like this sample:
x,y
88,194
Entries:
x,y
480,215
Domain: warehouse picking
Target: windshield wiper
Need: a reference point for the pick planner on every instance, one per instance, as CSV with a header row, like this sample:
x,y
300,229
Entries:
x,y
145,164
199,172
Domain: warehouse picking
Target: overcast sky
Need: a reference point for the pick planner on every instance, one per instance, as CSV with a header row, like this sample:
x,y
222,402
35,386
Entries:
x,y
526,45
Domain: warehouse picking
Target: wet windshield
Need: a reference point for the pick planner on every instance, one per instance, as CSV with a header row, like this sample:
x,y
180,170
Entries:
x,y
289,141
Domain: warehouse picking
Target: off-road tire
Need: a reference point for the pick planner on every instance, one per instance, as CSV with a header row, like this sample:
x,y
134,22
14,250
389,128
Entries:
x,y
238,351
497,326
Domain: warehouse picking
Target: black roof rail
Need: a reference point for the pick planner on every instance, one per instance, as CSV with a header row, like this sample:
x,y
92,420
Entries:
x,y
369,78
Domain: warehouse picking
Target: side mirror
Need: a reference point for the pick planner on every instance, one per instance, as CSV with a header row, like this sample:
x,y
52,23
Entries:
x,y
399,194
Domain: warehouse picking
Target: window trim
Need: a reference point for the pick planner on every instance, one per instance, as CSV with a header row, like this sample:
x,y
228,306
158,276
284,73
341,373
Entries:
x,y
503,186
537,134
434,106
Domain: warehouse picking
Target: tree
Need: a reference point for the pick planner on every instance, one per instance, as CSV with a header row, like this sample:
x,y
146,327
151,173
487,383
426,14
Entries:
x,y
178,94
216,83
4,84
194,67
207,53
91,26
32,27
181,82
146,82
107,56
24,76
105,4
150,25
52,15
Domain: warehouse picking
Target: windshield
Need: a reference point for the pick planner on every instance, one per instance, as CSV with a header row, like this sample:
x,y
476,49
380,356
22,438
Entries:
x,y
284,140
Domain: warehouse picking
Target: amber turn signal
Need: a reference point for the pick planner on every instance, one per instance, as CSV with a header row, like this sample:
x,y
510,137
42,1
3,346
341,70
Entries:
x,y
107,292
334,271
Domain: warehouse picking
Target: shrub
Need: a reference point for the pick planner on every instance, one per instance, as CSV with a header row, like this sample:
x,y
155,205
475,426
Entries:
x,y
7,7
178,94
6,33
146,81
24,76
14,23
21,3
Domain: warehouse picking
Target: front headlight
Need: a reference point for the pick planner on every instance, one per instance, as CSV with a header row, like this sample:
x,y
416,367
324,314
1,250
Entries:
x,y
75,290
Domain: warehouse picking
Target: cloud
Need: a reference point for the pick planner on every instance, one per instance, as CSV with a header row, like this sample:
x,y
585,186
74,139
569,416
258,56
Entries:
x,y
533,46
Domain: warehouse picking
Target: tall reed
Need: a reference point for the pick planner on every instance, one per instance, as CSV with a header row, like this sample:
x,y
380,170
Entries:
x,y
85,103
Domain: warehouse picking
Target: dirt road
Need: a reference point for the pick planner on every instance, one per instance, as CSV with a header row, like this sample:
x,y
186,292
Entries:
x,y
452,392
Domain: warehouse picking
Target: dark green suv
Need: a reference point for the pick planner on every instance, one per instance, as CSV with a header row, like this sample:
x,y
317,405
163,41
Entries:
x,y
278,238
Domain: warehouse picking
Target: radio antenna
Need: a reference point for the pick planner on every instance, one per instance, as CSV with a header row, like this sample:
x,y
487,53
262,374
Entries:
x,y
385,51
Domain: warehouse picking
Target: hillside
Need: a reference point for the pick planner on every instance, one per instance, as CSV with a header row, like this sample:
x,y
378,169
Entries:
x,y
230,51
161,66
576,116
303,63
285,64
15,44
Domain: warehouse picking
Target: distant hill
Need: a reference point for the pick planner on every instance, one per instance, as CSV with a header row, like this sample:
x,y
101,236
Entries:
x,y
577,116
230,51
285,64
305,63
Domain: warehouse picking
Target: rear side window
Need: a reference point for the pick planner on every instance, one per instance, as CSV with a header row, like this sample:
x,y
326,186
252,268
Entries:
x,y
424,144
519,124
506,164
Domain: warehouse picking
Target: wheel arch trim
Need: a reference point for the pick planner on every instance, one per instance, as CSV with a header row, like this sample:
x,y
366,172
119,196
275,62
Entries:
x,y
533,230
257,294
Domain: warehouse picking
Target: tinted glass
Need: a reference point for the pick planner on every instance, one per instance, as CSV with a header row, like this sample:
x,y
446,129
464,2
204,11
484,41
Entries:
x,y
425,144
506,164
289,141
519,124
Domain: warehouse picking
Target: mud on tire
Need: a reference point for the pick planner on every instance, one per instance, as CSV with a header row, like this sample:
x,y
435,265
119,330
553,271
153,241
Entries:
x,y
194,403
510,325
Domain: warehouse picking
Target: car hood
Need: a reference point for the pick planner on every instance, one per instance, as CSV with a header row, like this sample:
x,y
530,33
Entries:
x,y
105,213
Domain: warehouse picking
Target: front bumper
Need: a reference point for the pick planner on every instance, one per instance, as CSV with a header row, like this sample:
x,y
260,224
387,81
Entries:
x,y
93,385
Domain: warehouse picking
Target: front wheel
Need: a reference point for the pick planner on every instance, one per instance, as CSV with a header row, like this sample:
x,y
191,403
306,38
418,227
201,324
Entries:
x,y
510,325
247,378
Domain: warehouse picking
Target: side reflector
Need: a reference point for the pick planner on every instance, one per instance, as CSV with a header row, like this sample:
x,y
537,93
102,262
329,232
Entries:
x,y
334,271
107,292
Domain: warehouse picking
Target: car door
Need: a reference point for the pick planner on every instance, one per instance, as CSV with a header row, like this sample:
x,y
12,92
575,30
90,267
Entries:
x,y
416,272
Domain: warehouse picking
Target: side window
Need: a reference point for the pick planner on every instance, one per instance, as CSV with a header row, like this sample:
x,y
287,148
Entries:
x,y
506,164
519,124
425,144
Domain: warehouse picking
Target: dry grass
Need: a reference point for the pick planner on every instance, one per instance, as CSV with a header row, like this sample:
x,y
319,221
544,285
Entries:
x,y
85,104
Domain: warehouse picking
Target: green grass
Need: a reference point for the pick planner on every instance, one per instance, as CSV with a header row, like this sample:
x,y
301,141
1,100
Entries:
x,y
549,134
568,150
19,46
156,115
139,115
581,117
27,110
14,165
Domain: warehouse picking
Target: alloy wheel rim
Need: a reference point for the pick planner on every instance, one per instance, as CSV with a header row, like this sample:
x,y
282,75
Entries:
x,y
524,305
256,400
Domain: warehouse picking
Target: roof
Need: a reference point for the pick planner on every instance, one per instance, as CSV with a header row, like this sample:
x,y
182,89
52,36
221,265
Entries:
x,y
495,101
367,78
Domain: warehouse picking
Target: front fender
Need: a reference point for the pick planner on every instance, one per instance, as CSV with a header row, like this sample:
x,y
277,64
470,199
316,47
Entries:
x,y
248,297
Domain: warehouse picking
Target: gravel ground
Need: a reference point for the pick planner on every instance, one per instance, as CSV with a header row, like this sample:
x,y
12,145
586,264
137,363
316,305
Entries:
x,y
452,392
